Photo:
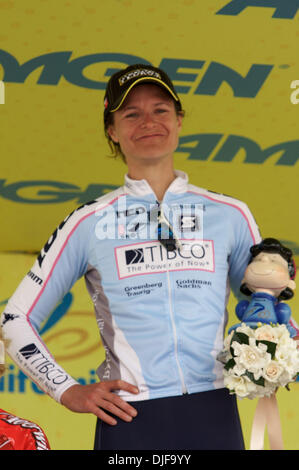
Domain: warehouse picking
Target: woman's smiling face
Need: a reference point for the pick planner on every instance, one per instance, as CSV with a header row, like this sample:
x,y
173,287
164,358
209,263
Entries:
x,y
147,125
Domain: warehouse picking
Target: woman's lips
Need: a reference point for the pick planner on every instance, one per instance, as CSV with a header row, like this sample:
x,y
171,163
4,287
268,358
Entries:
x,y
149,136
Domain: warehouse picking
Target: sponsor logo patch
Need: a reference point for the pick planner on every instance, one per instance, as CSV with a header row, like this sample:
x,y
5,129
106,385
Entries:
x,y
152,257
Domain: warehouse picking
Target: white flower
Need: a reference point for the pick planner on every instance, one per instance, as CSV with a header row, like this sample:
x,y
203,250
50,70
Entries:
x,y
252,361
238,369
246,330
261,346
287,357
242,386
227,341
283,336
272,371
251,357
266,333
285,378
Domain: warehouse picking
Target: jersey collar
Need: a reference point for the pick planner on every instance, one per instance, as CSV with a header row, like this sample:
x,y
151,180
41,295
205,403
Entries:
x,y
142,187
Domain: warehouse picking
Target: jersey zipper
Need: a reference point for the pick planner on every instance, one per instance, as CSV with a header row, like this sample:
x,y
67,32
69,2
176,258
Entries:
x,y
183,385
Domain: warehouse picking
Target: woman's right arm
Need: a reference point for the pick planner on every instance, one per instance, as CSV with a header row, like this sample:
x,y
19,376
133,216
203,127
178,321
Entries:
x,y
60,263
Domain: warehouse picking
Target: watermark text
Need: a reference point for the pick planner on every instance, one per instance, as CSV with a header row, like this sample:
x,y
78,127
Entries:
x,y
295,94
136,221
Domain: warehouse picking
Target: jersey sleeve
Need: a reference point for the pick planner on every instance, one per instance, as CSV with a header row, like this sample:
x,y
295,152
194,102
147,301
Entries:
x,y
60,263
245,234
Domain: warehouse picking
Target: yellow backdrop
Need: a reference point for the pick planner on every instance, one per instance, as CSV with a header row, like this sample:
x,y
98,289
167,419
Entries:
x,y
232,63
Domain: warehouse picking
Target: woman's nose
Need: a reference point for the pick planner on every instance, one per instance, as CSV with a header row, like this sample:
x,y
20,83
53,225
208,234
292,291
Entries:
x,y
147,120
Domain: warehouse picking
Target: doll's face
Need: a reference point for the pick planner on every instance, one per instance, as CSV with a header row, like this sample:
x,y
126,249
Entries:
x,y
268,272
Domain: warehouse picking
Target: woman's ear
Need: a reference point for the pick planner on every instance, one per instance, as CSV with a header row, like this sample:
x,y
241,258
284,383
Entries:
x,y
180,120
112,134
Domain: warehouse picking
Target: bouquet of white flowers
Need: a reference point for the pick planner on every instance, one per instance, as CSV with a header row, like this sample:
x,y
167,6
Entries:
x,y
261,353
259,360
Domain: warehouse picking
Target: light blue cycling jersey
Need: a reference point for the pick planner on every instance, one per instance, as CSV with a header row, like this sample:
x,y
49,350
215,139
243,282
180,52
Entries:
x,y
161,314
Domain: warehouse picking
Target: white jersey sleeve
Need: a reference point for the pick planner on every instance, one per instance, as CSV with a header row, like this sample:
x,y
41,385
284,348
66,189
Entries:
x,y
60,263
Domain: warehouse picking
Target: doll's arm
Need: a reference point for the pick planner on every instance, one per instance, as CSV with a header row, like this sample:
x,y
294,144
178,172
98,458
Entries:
x,y
241,308
283,312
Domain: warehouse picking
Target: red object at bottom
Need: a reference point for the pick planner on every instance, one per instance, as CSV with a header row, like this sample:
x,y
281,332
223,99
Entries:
x,y
20,434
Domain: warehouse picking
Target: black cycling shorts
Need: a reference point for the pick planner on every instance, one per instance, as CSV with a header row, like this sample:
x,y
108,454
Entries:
x,y
199,421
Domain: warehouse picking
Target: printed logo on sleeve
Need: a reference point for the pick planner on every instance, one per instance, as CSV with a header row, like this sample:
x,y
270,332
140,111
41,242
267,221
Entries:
x,y
39,363
9,317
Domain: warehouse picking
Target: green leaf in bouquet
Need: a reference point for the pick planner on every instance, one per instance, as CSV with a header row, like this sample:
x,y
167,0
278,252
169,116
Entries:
x,y
271,347
240,338
231,363
260,381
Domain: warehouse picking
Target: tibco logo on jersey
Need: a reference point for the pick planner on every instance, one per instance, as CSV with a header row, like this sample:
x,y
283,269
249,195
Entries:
x,y
38,362
150,258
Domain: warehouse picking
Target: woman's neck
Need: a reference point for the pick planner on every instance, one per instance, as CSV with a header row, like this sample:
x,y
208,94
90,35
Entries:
x,y
158,176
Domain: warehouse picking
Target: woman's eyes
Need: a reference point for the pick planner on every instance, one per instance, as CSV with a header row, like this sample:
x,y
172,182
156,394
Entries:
x,y
132,115
136,114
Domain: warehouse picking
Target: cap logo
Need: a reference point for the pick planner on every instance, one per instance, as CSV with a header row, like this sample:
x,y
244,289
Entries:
x,y
138,73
